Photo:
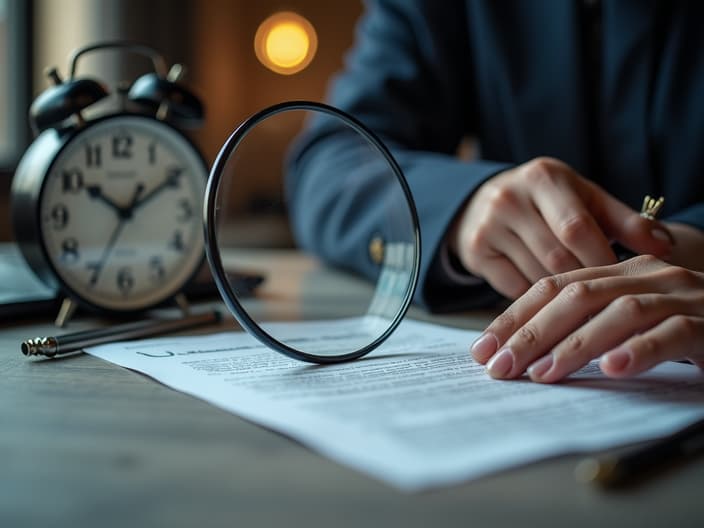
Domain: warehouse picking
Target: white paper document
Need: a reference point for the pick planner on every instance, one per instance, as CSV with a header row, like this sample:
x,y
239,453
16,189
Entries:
x,y
418,412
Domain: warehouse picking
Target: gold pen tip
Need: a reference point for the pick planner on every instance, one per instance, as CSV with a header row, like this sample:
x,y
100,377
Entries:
x,y
39,346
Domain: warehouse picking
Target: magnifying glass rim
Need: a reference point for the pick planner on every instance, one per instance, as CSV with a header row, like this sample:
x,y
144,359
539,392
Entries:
x,y
213,255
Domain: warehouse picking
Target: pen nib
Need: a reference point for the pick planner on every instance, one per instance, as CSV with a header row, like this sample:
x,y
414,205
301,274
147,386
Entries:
x,y
40,346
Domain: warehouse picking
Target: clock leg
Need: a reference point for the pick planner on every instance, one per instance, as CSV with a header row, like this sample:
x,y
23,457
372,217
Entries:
x,y
68,308
182,303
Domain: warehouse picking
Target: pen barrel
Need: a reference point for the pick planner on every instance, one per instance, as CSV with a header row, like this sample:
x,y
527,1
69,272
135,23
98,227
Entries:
x,y
130,331
53,346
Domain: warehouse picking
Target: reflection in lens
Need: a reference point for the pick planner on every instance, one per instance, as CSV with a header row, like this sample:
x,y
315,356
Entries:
x,y
355,254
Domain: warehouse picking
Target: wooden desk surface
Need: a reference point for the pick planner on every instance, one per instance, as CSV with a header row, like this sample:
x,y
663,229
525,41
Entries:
x,y
86,443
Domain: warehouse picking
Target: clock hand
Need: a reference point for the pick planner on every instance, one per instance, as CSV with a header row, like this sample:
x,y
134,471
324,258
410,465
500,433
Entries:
x,y
94,191
98,268
125,213
171,180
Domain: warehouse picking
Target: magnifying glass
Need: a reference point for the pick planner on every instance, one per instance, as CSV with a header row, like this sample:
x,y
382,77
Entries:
x,y
349,205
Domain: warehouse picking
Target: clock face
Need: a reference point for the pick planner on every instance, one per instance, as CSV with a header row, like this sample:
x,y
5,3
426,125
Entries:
x,y
120,212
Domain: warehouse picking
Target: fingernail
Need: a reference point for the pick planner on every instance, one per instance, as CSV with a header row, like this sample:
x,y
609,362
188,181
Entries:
x,y
484,347
616,360
538,369
662,234
501,364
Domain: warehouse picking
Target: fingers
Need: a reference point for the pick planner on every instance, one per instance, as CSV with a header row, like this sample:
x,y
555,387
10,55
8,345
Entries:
x,y
543,218
557,195
492,251
623,224
565,321
519,254
502,219
525,308
552,255
626,316
505,278
677,337
573,329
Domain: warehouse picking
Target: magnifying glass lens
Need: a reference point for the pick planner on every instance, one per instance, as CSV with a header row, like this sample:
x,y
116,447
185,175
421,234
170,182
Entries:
x,y
307,198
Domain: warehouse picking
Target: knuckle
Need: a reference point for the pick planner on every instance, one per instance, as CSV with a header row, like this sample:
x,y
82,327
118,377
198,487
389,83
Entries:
x,y
502,197
543,164
630,306
539,176
528,335
546,288
542,170
478,239
685,326
679,276
647,347
577,292
575,342
558,259
505,322
574,229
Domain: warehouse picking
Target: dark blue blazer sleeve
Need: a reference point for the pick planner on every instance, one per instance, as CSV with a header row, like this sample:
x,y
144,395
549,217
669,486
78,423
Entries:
x,y
400,82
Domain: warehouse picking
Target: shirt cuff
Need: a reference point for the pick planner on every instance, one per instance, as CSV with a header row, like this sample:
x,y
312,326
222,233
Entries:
x,y
451,267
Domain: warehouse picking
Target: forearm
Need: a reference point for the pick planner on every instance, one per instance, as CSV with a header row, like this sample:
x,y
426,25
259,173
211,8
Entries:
x,y
338,204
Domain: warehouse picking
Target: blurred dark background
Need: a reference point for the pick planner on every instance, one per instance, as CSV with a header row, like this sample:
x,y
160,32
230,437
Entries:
x,y
214,39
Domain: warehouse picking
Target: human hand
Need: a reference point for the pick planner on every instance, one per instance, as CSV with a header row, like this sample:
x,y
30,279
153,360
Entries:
x,y
542,218
688,250
634,314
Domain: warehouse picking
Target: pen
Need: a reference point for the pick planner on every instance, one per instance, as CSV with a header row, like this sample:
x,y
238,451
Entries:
x,y
612,471
67,343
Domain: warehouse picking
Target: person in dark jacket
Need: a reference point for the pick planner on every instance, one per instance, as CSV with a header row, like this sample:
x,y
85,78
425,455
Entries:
x,y
578,110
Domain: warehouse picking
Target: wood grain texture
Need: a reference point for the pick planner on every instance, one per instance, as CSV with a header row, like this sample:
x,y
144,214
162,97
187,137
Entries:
x,y
86,443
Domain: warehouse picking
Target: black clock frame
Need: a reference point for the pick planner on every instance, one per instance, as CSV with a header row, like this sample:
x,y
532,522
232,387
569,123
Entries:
x,y
27,193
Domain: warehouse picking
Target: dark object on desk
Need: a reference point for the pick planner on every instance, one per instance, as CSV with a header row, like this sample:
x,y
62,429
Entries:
x,y
23,294
67,343
638,463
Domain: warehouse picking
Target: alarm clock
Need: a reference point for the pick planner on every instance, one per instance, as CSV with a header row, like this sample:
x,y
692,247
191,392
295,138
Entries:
x,y
107,209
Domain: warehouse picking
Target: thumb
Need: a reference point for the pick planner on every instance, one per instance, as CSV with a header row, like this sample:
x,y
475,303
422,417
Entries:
x,y
646,236
626,226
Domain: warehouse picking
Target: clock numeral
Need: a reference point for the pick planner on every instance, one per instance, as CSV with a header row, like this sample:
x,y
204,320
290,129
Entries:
x,y
186,210
157,272
176,242
69,251
71,181
152,152
59,216
173,177
125,280
94,268
94,156
122,146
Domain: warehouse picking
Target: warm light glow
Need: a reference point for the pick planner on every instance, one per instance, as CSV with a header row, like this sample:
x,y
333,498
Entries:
x,y
285,43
